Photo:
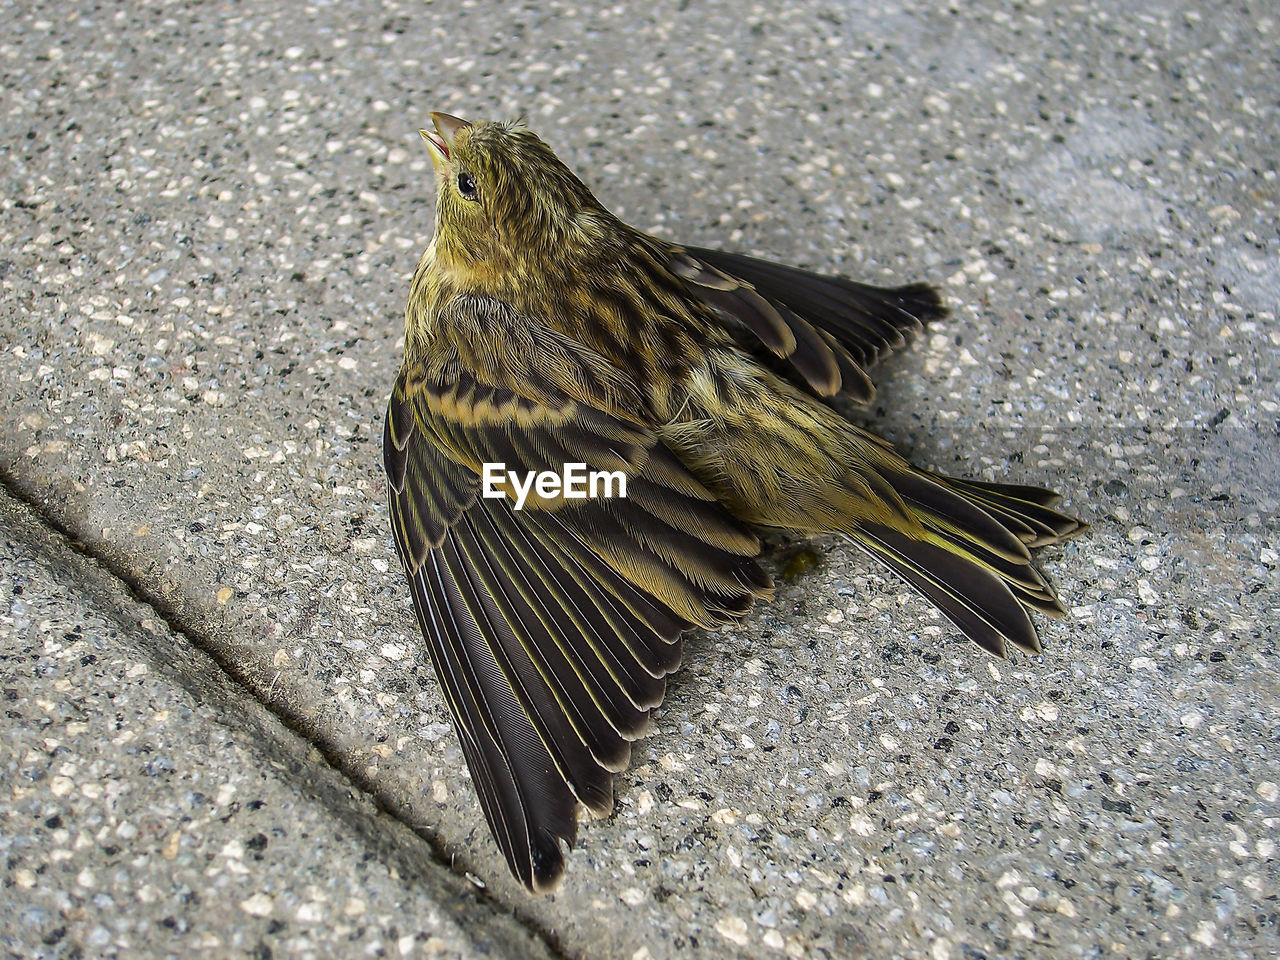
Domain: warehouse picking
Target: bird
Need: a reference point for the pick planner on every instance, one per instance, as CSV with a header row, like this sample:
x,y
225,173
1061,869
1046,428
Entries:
x,y
542,331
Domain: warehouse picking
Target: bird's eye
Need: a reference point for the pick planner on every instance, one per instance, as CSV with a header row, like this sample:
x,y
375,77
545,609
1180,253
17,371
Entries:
x,y
467,186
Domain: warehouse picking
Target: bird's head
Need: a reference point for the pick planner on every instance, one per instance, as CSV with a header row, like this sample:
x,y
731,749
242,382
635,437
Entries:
x,y
506,203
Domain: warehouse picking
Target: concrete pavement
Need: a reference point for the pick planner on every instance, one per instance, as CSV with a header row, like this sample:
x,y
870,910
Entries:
x,y
207,222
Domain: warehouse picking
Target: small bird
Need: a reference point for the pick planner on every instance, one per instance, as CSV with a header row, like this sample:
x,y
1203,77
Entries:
x,y
543,333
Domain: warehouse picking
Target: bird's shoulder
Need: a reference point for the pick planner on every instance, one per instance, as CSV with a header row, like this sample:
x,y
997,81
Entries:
x,y
486,341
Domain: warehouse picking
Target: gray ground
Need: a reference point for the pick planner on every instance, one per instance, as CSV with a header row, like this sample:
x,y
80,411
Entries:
x,y
221,737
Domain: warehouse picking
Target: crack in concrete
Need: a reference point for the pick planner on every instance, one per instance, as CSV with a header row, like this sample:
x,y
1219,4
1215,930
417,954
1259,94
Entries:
x,y
438,858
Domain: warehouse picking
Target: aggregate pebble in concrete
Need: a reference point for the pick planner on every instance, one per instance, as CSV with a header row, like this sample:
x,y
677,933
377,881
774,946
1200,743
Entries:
x,y
149,809
209,216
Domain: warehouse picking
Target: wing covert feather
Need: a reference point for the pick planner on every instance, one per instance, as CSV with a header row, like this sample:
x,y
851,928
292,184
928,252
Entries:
x,y
828,329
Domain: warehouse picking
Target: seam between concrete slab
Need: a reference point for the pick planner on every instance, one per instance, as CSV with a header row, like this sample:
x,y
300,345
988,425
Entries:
x,y
164,611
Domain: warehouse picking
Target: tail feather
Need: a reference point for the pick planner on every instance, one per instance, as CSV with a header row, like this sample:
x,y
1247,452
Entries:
x,y
935,502
974,598
969,553
1026,511
1021,576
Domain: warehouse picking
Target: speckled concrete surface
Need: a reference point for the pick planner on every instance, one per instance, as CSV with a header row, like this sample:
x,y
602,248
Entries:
x,y
208,218
150,810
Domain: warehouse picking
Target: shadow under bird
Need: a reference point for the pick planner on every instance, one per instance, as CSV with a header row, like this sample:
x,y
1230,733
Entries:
x,y
542,331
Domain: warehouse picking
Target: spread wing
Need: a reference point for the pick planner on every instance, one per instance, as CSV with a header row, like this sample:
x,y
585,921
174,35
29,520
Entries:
x,y
827,329
551,628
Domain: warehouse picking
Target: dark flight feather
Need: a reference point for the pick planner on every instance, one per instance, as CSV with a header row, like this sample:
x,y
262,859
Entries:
x,y
552,629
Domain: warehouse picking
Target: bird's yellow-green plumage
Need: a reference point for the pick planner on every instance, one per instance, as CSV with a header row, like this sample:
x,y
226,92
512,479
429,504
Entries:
x,y
542,331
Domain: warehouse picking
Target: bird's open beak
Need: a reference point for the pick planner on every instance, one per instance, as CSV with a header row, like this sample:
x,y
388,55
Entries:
x,y
440,143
